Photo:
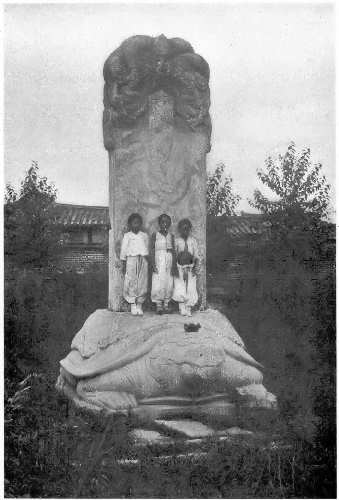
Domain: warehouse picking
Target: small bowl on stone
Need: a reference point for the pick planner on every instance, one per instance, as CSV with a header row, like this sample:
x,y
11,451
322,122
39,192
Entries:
x,y
192,327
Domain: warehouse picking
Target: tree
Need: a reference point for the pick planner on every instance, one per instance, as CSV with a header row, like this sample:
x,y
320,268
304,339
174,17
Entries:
x,y
297,214
220,196
301,190
30,238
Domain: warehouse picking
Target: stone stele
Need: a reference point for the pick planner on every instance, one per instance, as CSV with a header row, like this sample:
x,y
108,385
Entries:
x,y
157,131
156,128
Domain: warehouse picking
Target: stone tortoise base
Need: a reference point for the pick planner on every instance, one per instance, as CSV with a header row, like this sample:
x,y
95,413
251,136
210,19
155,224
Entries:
x,y
156,367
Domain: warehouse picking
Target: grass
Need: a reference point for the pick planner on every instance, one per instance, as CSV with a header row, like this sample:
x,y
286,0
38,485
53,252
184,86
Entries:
x,y
78,456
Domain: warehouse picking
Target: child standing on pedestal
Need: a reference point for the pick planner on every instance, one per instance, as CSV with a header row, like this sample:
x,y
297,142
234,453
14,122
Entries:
x,y
185,285
134,254
162,254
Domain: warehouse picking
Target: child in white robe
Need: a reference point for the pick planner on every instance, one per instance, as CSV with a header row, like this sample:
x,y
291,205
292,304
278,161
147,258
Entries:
x,y
134,255
163,264
185,284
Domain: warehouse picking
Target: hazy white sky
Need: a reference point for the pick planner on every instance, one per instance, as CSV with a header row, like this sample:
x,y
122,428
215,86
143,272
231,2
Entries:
x,y
272,81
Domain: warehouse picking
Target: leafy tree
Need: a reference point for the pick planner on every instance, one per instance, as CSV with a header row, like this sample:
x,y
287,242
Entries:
x,y
30,238
220,196
300,188
10,195
298,212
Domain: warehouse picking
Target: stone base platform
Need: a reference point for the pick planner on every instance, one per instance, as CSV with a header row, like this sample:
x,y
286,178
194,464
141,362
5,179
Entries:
x,y
190,441
163,367
216,409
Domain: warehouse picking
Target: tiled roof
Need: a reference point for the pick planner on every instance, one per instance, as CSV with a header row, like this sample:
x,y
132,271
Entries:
x,y
81,215
237,226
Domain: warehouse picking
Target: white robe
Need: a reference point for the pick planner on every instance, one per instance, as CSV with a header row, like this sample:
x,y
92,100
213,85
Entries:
x,y
162,281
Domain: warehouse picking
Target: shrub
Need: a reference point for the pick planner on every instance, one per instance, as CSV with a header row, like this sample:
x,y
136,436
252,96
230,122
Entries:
x,y
43,310
30,238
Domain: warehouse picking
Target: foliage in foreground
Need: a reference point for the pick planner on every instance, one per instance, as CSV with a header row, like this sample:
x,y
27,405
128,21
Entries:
x,y
49,454
43,312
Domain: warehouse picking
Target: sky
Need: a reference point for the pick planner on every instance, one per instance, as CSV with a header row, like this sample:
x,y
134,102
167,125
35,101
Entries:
x,y
272,81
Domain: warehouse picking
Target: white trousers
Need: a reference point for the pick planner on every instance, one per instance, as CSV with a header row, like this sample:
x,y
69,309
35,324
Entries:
x,y
185,286
136,277
162,281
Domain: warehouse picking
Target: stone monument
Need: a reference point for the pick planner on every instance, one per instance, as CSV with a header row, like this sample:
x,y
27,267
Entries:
x,y
157,132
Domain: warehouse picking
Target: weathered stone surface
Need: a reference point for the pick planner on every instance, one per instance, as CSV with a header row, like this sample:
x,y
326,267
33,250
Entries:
x,y
144,436
252,394
236,431
156,128
215,407
125,361
217,410
189,428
